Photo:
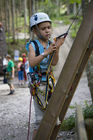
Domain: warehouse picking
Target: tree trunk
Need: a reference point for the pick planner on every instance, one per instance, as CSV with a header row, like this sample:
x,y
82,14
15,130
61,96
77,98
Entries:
x,y
84,6
74,9
20,11
79,7
31,12
1,10
31,7
13,20
36,5
25,12
7,17
58,7
16,13
68,9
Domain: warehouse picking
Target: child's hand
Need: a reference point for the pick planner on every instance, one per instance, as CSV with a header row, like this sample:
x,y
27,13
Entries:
x,y
59,42
51,49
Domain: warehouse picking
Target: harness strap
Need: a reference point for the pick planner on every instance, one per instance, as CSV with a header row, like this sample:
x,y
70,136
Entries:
x,y
35,87
37,52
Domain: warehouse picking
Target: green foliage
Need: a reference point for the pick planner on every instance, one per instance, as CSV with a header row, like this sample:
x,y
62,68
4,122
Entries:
x,y
69,123
73,1
50,8
20,24
75,27
67,20
16,46
88,111
72,107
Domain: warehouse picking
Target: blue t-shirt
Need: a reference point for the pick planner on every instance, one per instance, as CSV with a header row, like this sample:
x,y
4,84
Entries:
x,y
44,62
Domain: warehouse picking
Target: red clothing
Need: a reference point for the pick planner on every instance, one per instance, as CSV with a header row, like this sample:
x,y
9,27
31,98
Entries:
x,y
25,76
24,60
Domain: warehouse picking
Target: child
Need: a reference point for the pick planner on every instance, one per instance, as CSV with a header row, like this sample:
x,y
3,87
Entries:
x,y
10,74
24,61
20,71
41,58
26,67
5,62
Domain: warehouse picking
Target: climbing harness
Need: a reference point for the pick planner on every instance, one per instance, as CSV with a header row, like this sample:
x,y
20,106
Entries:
x,y
35,83
34,86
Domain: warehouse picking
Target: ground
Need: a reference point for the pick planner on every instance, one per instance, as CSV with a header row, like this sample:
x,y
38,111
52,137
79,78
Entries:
x,y
14,109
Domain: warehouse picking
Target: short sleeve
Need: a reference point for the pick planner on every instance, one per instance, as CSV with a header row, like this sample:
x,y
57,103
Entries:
x,y
27,46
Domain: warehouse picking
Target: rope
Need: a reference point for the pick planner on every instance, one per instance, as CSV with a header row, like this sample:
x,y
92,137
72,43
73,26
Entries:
x,y
28,135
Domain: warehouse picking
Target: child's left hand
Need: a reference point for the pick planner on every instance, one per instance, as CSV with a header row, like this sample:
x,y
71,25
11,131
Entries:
x,y
59,42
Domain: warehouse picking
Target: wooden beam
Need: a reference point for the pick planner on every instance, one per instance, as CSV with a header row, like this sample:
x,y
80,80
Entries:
x,y
67,76
89,128
73,88
80,124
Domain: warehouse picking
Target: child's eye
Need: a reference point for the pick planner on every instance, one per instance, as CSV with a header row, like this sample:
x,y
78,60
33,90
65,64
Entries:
x,y
49,27
43,28
46,28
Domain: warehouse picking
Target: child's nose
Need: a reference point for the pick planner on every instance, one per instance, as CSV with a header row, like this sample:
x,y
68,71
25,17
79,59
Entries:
x,y
47,30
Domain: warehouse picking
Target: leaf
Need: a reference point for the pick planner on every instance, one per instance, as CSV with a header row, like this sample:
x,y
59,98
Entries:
x,y
75,1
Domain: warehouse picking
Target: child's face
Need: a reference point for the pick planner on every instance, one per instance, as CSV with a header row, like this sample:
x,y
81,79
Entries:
x,y
45,30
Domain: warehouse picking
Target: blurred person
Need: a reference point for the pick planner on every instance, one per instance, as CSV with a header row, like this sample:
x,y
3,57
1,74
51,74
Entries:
x,y
20,68
2,33
5,63
10,74
26,66
1,26
24,60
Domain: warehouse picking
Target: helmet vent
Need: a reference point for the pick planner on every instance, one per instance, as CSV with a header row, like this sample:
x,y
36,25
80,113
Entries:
x,y
35,17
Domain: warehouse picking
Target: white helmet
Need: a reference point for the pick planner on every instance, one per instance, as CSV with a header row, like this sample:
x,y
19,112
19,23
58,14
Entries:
x,y
38,18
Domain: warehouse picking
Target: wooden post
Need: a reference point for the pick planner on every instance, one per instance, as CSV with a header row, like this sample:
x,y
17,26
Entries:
x,y
80,125
67,77
89,128
73,88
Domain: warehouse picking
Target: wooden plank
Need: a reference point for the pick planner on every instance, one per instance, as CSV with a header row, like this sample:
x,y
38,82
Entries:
x,y
73,88
67,76
89,128
80,125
